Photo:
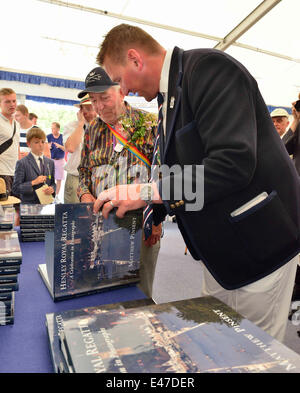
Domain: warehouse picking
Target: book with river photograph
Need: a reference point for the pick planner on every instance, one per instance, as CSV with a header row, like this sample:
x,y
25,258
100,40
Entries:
x,y
87,253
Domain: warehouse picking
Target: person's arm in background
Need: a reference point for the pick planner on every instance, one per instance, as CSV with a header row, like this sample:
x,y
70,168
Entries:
x,y
290,138
84,171
73,136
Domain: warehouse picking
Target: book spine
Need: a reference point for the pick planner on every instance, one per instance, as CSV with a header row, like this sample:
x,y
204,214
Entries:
x,y
8,279
10,270
6,227
9,287
6,308
5,296
7,320
10,261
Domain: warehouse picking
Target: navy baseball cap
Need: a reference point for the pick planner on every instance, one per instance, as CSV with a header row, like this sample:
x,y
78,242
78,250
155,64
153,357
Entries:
x,y
97,81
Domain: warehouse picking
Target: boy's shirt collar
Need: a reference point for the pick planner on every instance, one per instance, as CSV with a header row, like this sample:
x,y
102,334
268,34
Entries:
x,y
37,157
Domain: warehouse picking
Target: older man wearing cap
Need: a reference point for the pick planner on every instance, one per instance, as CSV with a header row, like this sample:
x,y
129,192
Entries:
x,y
104,158
73,139
280,119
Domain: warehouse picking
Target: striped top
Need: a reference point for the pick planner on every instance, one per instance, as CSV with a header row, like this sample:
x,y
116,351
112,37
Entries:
x,y
103,165
23,141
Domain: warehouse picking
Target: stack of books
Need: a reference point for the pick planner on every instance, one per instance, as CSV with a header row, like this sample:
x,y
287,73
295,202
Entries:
x,y
186,336
35,221
10,261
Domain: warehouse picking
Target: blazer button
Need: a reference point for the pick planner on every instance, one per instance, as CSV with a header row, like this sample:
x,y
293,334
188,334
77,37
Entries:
x,y
172,206
181,203
177,204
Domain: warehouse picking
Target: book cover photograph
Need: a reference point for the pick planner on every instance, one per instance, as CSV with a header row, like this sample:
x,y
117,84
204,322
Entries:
x,y
10,251
7,218
187,336
85,253
54,325
31,210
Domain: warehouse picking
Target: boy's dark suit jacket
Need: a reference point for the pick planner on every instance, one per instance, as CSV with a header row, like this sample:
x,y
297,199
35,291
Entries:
x,y
220,120
26,171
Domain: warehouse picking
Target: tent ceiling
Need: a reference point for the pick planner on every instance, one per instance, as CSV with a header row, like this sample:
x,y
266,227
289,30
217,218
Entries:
x,y
61,38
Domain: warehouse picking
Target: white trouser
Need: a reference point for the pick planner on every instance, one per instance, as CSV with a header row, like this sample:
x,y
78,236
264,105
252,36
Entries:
x,y
265,302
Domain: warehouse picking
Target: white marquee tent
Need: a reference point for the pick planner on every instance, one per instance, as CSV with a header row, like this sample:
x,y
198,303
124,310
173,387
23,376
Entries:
x,y
49,46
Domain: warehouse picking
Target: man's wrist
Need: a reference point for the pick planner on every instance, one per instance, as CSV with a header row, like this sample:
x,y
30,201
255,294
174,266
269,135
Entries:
x,y
149,193
146,193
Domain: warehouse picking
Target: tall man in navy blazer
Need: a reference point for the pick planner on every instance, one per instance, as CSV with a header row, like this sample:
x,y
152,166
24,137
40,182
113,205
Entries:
x,y
215,116
34,170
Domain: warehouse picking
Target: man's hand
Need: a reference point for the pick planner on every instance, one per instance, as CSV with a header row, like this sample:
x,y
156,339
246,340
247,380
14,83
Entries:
x,y
49,190
87,198
296,118
155,236
40,179
80,117
123,197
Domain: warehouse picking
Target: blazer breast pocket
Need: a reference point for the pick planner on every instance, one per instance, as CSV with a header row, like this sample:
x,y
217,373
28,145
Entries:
x,y
265,229
189,147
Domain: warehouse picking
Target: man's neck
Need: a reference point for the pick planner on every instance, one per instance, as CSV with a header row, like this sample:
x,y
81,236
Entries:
x,y
26,124
116,122
9,117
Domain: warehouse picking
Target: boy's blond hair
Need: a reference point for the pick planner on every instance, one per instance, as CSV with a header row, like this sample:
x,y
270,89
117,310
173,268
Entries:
x,y
35,132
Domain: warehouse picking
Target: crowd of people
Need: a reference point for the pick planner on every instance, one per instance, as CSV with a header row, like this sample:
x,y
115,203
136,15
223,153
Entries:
x,y
211,114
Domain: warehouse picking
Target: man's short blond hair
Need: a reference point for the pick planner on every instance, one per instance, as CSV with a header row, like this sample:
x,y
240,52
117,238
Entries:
x,y
123,37
35,132
6,91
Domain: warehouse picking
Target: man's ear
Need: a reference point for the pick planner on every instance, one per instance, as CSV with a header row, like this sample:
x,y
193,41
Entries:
x,y
135,58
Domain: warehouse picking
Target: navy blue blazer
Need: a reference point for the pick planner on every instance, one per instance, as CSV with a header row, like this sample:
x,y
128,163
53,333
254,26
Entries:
x,y
26,171
217,118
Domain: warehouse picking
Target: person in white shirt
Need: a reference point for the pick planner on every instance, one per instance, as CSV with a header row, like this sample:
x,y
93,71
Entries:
x,y
22,117
9,136
73,138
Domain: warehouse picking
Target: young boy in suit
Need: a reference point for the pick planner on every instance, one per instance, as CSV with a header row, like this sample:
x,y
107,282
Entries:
x,y
34,170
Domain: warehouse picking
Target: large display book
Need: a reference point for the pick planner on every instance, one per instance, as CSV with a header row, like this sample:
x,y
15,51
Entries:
x,y
10,262
187,336
35,221
54,324
86,253
7,218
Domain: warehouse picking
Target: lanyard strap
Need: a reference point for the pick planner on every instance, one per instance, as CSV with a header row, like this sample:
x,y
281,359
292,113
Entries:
x,y
133,149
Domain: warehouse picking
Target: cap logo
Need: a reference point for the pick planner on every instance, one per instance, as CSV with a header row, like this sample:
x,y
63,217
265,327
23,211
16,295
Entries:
x,y
92,77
